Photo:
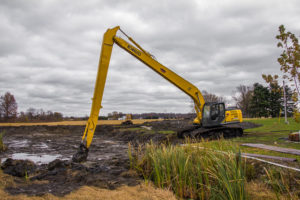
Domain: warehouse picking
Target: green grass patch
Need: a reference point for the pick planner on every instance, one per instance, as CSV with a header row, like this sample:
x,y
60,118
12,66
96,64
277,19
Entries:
x,y
134,129
166,132
274,124
272,132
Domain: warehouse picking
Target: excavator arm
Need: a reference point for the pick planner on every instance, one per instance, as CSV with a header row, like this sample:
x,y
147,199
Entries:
x,y
109,39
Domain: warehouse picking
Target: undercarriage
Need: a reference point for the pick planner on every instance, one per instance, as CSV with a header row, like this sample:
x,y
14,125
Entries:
x,y
196,131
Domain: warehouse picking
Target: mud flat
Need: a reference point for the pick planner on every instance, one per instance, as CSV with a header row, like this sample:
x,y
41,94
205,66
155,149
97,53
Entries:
x,y
50,148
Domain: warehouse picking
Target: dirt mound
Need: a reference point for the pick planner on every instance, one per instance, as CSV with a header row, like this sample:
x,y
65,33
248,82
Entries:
x,y
20,168
60,177
81,155
106,166
173,125
138,137
248,125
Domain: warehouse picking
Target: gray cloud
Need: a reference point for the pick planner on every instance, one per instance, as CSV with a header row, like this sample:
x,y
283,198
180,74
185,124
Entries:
x,y
49,50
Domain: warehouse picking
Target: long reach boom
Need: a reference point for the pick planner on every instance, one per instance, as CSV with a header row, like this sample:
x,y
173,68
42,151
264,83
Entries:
x,y
109,39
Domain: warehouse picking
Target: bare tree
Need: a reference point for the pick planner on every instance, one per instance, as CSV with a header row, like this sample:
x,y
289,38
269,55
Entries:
x,y
243,99
192,106
23,117
115,115
210,97
31,113
8,106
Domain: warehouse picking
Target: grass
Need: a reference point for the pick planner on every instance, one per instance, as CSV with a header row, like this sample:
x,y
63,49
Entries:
x,y
2,145
166,132
267,152
196,173
258,190
272,132
204,173
212,170
133,129
274,124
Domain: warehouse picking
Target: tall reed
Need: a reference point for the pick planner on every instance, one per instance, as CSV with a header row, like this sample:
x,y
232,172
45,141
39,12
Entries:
x,y
2,145
194,171
284,184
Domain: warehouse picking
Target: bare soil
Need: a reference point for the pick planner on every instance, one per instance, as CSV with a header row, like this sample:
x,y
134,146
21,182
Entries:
x,y
51,148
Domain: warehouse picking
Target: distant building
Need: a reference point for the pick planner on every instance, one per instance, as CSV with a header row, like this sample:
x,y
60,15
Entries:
x,y
122,118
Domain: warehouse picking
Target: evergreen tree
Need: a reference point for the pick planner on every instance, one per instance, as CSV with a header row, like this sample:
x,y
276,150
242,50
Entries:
x,y
275,100
260,101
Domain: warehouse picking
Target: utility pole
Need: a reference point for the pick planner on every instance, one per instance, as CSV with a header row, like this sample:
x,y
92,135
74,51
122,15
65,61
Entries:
x,y
284,99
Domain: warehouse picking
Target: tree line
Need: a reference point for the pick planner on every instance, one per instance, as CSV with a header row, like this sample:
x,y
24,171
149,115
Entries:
x,y
264,101
9,112
39,115
152,115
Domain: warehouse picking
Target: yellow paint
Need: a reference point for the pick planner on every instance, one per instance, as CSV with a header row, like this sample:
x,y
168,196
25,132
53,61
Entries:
x,y
128,117
233,116
230,116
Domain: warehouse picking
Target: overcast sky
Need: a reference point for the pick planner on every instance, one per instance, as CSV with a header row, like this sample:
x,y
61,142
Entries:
x,y
49,50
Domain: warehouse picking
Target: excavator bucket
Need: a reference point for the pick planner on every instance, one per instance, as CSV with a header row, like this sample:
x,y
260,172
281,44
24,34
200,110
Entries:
x,y
81,155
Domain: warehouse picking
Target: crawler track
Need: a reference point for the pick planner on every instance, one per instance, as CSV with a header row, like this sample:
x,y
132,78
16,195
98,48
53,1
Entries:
x,y
227,131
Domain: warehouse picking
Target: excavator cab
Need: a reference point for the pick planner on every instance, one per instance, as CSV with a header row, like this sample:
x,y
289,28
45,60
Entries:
x,y
213,114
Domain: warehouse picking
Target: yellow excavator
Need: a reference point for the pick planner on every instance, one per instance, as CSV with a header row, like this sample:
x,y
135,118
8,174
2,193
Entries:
x,y
128,120
212,119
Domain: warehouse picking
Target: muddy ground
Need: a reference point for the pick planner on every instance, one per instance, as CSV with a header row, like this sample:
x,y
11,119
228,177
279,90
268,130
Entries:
x,y
51,148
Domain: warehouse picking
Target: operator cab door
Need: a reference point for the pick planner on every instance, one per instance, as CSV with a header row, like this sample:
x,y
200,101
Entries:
x,y
213,114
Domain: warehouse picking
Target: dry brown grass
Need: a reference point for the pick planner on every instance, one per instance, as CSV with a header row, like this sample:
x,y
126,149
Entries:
x,y
256,190
79,123
142,191
139,192
6,180
260,191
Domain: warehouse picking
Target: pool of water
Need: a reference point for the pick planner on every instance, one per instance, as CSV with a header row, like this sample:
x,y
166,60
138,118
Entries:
x,y
36,158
